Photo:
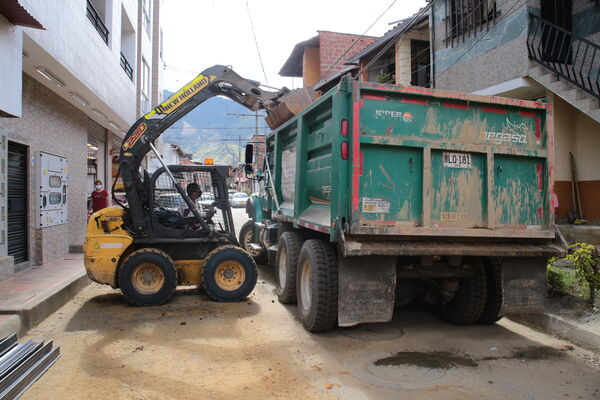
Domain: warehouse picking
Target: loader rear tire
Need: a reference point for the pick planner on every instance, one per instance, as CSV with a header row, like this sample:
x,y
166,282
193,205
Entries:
x,y
288,252
246,236
148,277
469,301
317,286
229,274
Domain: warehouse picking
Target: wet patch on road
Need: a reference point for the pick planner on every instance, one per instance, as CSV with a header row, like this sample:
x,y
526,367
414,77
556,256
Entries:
x,y
430,360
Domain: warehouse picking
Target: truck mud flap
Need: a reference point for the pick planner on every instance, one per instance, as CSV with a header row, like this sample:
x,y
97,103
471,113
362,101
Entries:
x,y
366,289
524,285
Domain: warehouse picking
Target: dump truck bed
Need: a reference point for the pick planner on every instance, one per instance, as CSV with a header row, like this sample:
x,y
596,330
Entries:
x,y
380,161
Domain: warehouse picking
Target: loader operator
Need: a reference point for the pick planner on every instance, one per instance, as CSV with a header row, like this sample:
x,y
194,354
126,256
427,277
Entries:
x,y
194,193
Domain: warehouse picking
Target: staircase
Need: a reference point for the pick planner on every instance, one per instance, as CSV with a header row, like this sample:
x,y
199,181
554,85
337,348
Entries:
x,y
565,64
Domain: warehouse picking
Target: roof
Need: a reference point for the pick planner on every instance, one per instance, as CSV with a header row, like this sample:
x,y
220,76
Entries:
x,y
403,26
293,65
16,14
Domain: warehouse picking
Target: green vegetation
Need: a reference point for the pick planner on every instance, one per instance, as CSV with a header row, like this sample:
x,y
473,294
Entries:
x,y
581,278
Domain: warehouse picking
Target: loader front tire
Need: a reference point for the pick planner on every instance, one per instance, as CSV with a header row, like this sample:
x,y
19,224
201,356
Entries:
x,y
148,277
229,274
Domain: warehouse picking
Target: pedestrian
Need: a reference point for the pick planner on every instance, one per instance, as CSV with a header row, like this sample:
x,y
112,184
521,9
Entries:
x,y
99,197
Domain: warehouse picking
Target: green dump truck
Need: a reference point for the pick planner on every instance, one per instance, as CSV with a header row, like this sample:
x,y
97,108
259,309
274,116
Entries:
x,y
377,195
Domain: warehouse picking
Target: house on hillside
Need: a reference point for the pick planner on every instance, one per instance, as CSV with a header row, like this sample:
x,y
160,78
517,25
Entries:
x,y
323,57
531,49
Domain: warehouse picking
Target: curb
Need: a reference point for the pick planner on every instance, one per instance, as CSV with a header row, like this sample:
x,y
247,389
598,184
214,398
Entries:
x,y
36,313
554,325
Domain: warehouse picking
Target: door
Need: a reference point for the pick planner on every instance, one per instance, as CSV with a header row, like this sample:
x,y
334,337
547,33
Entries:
x,y
17,202
556,42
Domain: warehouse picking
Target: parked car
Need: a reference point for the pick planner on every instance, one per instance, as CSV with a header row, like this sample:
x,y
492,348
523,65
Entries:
x,y
207,199
231,193
239,200
170,201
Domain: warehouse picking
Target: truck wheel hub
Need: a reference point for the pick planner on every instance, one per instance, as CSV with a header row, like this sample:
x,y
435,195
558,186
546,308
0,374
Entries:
x,y
306,286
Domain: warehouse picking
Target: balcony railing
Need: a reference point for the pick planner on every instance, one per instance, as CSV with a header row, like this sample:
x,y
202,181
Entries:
x,y
95,19
572,58
126,67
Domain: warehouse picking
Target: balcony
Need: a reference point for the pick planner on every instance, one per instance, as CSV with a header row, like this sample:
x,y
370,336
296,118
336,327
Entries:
x,y
126,67
574,59
96,20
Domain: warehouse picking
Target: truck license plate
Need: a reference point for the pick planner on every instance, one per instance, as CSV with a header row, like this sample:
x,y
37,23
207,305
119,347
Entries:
x,y
457,160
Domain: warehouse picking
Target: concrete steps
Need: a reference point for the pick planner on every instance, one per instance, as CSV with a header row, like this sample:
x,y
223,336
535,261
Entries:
x,y
578,98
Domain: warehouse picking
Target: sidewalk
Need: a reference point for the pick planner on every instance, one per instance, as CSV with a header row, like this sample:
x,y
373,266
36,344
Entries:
x,y
32,295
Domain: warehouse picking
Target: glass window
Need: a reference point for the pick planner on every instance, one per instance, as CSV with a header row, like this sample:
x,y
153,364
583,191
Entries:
x,y
55,198
54,181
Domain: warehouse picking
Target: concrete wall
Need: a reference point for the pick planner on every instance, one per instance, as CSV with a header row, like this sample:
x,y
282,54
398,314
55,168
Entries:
x,y
11,65
51,124
482,61
576,133
404,56
74,43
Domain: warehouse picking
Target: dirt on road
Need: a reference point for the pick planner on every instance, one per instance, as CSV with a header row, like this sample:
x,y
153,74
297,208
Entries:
x,y
194,348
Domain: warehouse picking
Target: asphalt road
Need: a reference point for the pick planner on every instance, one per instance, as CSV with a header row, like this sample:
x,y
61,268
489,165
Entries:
x,y
194,348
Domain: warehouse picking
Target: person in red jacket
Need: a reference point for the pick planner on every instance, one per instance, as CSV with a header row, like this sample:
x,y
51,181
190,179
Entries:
x,y
99,198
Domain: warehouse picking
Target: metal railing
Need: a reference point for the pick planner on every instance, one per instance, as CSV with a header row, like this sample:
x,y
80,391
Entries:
x,y
572,58
95,19
126,67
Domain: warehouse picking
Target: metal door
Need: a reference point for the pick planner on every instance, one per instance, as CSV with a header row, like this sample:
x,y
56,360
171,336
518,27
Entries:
x,y
17,202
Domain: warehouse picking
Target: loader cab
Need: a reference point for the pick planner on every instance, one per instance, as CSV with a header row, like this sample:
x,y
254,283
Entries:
x,y
168,217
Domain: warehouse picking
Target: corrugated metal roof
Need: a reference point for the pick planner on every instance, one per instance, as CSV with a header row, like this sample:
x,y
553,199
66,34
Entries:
x,y
18,15
293,65
403,26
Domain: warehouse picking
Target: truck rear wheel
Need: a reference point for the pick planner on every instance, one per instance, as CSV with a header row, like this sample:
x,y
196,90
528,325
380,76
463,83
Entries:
x,y
229,274
317,286
288,251
466,307
493,303
148,277
246,236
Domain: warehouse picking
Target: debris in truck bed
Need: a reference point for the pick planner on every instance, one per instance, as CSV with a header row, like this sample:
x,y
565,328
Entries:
x,y
291,104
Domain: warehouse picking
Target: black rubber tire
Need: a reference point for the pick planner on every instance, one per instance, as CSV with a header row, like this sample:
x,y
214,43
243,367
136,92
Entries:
x,y
212,262
321,314
493,305
247,229
147,256
290,244
469,301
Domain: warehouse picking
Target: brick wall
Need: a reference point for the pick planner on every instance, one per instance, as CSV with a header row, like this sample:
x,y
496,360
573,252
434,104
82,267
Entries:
x,y
334,44
51,124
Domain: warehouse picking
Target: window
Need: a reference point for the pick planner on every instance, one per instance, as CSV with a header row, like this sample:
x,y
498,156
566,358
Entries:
x,y
419,69
146,16
145,97
465,17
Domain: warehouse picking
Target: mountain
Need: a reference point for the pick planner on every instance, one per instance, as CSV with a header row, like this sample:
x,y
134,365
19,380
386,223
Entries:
x,y
210,131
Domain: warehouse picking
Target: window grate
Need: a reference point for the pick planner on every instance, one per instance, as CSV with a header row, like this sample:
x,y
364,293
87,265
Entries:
x,y
96,20
464,18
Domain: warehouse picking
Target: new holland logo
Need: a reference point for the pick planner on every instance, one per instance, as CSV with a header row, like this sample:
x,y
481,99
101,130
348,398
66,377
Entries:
x,y
135,136
179,98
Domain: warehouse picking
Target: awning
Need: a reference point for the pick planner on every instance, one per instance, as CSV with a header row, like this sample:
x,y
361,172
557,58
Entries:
x,y
16,14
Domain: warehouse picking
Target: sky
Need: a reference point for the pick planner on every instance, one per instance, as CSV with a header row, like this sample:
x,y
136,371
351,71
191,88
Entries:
x,y
201,33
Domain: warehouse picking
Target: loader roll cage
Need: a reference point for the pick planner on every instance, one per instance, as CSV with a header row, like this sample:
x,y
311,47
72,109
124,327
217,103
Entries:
x,y
218,80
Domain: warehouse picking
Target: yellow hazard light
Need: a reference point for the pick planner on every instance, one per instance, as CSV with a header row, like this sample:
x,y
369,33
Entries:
x,y
209,161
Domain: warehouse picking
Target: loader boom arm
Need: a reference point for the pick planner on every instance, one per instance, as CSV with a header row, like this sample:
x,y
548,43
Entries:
x,y
215,81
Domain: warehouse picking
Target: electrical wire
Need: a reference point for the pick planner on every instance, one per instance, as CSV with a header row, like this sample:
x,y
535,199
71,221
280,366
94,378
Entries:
x,y
256,43
357,40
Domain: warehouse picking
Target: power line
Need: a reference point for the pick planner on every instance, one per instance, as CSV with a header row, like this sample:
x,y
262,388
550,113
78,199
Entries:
x,y
356,41
256,43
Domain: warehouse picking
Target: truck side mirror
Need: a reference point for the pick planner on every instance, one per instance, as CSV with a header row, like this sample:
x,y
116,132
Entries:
x,y
249,153
248,169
